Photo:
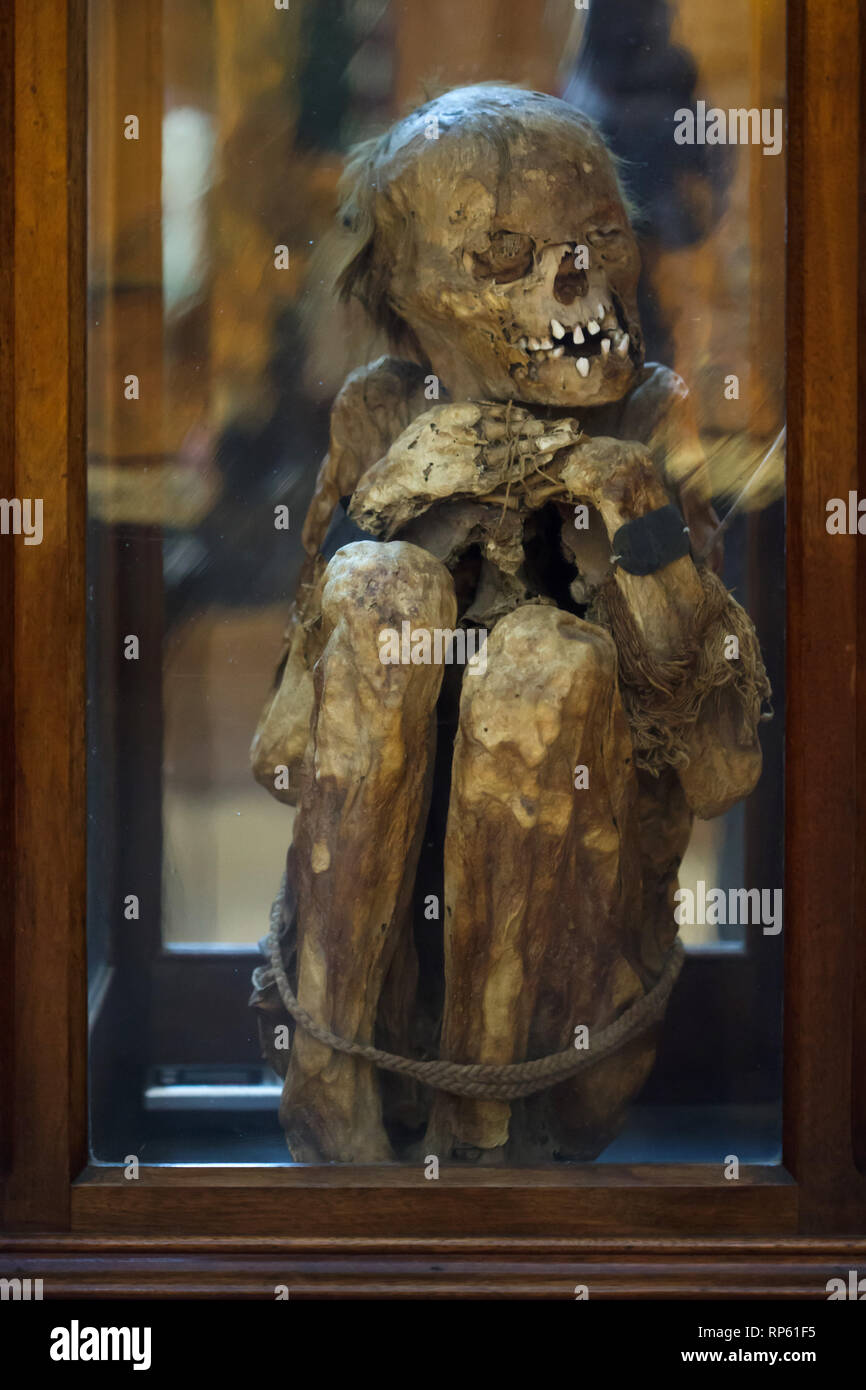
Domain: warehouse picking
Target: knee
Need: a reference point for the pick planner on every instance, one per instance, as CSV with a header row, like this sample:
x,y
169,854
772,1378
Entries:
x,y
544,668
550,677
559,642
380,585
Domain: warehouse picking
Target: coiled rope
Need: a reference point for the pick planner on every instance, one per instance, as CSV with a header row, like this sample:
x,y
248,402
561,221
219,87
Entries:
x,y
482,1079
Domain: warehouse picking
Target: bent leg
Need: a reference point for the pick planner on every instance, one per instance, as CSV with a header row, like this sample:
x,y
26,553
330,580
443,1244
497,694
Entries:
x,y
364,798
542,873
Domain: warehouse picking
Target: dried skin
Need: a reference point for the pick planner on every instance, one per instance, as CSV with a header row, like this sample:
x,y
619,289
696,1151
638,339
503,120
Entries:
x,y
366,788
283,730
541,878
448,529
724,759
657,414
466,245
462,450
374,407
665,827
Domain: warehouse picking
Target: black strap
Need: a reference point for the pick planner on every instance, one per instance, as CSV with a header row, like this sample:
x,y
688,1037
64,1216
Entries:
x,y
649,542
342,531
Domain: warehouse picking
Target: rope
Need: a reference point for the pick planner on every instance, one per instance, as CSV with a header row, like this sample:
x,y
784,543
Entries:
x,y
482,1079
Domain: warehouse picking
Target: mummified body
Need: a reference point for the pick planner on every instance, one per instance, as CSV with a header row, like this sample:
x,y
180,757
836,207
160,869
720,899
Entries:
x,y
499,258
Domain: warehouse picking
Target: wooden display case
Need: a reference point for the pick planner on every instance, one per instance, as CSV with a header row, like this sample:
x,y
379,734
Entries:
x,y
640,1231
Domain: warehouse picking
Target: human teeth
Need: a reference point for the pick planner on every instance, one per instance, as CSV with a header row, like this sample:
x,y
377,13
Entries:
x,y
557,329
534,344
523,344
605,346
593,326
558,351
577,335
622,345
601,311
547,343
582,365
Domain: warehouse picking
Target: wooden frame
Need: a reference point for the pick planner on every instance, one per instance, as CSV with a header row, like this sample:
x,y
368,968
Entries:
x,y
663,1231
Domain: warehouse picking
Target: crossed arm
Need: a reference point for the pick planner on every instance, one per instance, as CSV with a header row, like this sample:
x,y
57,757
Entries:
x,y
502,454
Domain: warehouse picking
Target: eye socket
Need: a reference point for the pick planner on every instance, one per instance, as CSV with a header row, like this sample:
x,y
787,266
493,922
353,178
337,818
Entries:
x,y
509,257
610,238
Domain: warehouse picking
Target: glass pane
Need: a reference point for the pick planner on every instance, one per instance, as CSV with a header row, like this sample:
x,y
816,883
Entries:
x,y
444,472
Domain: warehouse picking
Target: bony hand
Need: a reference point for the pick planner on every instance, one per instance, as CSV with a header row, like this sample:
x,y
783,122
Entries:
x,y
617,476
462,449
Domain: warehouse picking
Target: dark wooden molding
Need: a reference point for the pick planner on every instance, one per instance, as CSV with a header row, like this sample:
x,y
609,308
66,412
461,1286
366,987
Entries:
x,y
650,1200
42,627
823,915
111,1267
859,1050
7,578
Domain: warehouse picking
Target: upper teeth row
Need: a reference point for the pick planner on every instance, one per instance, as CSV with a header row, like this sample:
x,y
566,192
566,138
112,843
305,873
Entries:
x,y
592,324
613,335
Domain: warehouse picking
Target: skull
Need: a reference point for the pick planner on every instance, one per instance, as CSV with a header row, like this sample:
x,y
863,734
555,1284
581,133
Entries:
x,y
511,256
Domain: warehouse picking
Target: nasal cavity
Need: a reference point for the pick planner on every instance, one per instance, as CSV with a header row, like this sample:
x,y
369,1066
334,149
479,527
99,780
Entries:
x,y
570,284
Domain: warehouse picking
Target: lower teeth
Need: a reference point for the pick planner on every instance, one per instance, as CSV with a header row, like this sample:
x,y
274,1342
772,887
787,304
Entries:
x,y
620,342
